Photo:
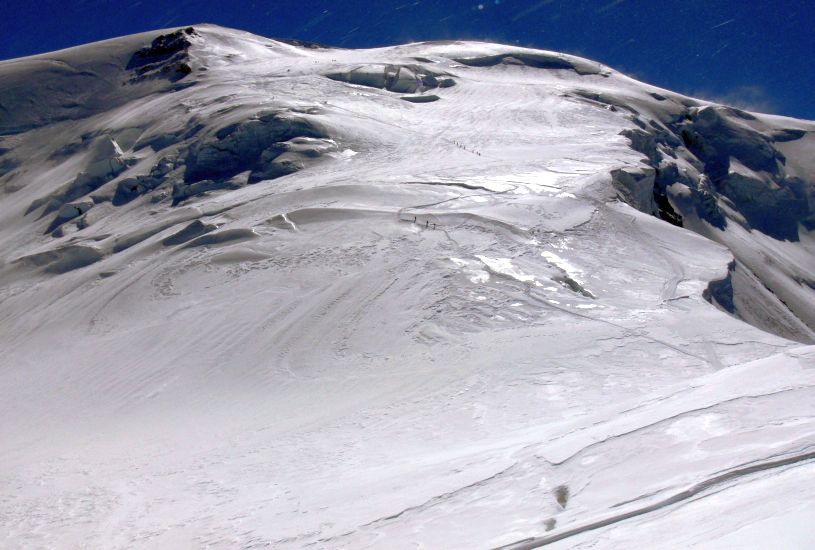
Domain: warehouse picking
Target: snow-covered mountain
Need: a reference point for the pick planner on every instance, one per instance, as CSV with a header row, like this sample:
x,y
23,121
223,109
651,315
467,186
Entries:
x,y
439,295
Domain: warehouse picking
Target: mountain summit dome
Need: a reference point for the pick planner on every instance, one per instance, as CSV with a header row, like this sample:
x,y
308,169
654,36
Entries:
x,y
444,295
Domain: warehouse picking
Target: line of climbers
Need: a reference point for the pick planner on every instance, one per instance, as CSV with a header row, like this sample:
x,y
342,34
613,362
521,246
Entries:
x,y
462,146
427,223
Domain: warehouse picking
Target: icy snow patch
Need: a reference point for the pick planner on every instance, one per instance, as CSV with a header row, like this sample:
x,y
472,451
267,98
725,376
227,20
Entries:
x,y
504,267
472,270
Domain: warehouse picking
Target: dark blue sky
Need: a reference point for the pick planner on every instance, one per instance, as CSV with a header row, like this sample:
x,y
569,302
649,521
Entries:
x,y
757,55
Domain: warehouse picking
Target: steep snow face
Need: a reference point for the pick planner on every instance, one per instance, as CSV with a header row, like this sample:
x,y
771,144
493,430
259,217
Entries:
x,y
445,295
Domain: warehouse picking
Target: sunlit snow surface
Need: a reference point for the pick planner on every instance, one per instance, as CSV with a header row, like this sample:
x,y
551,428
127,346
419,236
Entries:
x,y
445,332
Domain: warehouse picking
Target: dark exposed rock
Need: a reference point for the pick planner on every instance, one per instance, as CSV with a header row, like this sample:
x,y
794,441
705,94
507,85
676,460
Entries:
x,y
162,48
165,57
665,209
721,291
573,285
666,175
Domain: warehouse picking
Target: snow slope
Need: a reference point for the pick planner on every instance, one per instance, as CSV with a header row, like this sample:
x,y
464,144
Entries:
x,y
257,293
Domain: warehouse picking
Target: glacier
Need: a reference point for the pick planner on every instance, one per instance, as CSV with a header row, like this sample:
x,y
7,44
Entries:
x,y
263,293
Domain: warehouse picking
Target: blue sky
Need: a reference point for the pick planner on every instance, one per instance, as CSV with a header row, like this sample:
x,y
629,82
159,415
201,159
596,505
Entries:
x,y
756,55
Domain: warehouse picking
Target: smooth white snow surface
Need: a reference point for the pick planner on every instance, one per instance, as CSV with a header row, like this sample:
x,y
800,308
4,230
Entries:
x,y
441,329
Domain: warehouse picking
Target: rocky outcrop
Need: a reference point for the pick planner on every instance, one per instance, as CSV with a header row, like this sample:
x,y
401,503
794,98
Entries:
x,y
165,57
